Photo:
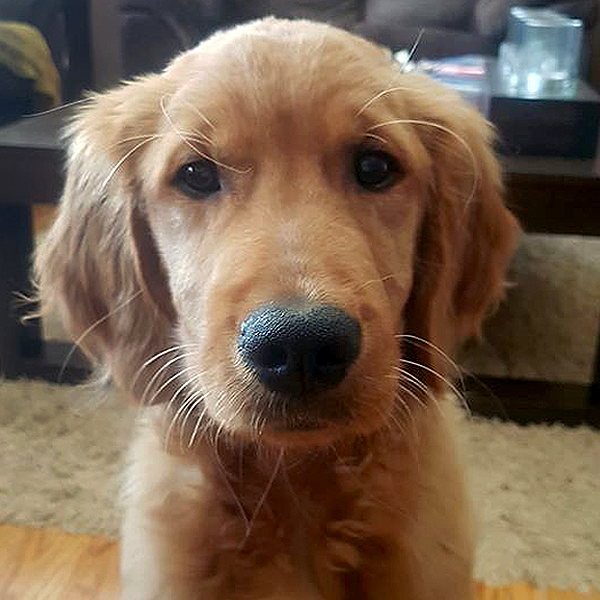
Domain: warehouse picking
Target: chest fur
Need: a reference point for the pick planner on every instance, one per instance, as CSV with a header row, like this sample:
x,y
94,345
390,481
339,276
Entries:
x,y
330,524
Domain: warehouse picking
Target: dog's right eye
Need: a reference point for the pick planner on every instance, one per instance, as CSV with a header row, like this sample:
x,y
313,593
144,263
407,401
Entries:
x,y
375,170
198,179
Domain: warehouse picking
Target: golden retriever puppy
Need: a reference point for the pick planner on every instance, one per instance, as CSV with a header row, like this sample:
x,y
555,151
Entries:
x,y
272,246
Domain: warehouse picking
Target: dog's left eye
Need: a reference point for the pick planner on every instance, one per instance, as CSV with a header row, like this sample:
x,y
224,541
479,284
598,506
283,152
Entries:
x,y
375,170
198,179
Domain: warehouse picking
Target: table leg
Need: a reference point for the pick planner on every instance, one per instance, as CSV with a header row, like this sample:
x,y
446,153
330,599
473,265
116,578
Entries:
x,y
17,340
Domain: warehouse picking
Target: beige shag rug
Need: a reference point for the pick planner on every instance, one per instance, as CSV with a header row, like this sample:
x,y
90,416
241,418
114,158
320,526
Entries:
x,y
536,488
548,326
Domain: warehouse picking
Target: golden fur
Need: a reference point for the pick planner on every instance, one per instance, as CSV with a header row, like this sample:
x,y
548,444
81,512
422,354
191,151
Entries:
x,y
219,502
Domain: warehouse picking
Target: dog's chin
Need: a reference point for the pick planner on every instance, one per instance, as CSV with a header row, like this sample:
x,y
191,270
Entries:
x,y
309,428
309,433
305,430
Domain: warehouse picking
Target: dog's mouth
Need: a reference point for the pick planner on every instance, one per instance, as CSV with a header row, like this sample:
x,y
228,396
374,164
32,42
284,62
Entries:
x,y
283,413
283,420
303,429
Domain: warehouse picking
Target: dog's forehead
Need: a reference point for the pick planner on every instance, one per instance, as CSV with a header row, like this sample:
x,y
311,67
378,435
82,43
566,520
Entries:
x,y
298,78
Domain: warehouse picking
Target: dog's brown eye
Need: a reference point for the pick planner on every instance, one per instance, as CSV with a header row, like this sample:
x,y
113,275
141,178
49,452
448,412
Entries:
x,y
198,179
375,170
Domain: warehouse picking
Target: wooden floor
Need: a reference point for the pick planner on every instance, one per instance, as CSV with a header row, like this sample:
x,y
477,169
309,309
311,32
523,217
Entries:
x,y
46,564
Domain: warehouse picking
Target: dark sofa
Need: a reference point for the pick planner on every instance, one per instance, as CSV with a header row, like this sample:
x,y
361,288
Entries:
x,y
151,32
154,30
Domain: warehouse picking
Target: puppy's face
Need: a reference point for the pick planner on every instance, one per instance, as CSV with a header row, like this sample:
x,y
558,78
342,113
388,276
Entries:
x,y
287,231
284,184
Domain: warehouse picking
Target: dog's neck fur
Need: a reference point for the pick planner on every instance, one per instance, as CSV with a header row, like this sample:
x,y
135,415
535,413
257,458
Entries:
x,y
334,504
238,521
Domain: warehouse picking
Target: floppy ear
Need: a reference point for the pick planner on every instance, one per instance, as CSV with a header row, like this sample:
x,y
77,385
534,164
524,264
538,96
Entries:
x,y
468,234
88,266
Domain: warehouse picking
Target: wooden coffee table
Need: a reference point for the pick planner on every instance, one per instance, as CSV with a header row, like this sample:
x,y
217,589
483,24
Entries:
x,y
548,195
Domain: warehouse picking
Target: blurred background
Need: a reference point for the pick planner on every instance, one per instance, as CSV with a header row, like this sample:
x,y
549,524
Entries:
x,y
52,51
538,361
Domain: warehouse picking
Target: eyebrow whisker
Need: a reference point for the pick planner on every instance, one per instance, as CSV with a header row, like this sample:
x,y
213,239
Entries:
x,y
201,115
399,88
447,130
374,136
186,140
120,162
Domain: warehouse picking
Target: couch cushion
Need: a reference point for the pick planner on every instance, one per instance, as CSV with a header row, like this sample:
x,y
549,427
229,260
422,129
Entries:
x,y
433,43
455,14
344,13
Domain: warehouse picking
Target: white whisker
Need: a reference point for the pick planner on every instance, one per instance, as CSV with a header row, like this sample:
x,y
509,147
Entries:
x,y
235,497
433,372
414,380
161,370
419,401
194,402
124,158
398,88
173,377
407,409
57,108
442,378
90,329
195,149
135,138
188,382
417,339
414,47
262,498
184,405
197,427
446,130
158,355
201,115
380,139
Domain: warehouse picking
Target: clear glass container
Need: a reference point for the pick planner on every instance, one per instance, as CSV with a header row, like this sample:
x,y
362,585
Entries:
x,y
541,55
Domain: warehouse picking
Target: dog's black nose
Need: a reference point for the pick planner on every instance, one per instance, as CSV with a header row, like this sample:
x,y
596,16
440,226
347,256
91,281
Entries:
x,y
300,350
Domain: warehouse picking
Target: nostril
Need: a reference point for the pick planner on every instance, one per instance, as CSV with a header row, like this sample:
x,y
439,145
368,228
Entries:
x,y
271,356
330,355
